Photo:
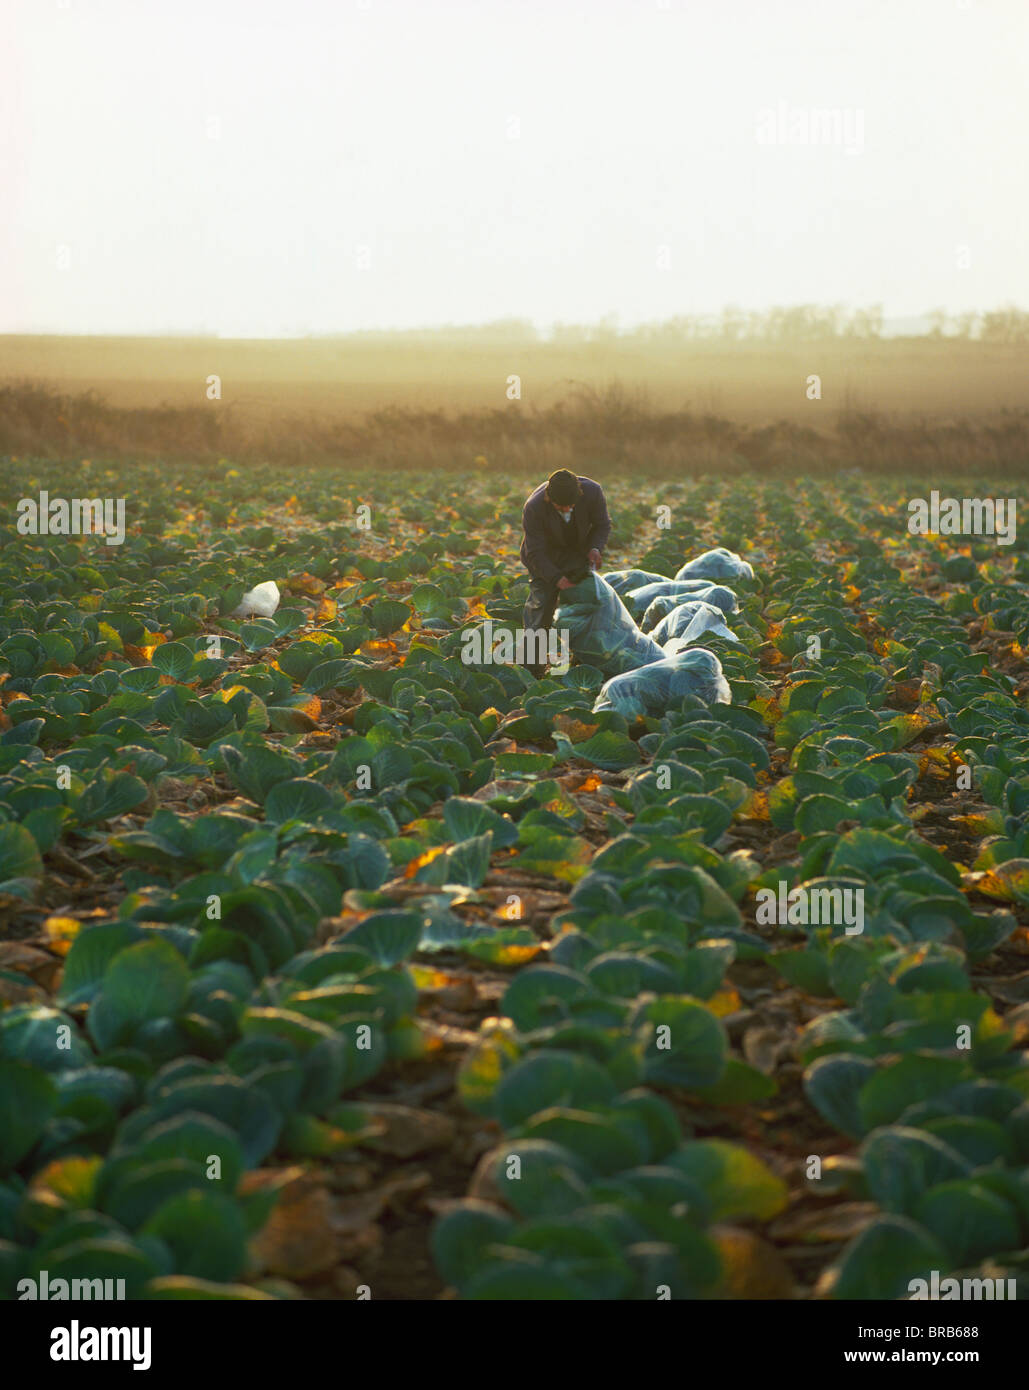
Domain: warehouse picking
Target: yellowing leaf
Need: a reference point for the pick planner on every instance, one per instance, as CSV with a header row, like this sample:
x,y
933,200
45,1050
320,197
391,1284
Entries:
x,y
768,707
514,955
425,977
990,822
990,1025
725,1002
423,859
72,1178
306,583
751,1267
61,932
1008,881
935,759
575,729
483,1067
755,807
910,726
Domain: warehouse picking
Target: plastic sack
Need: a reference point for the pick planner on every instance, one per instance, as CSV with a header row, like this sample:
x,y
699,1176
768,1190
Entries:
x,y
677,620
639,600
601,630
689,623
259,602
624,580
652,689
717,564
660,608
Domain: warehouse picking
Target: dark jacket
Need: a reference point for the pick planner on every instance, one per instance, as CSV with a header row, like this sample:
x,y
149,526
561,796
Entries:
x,y
551,547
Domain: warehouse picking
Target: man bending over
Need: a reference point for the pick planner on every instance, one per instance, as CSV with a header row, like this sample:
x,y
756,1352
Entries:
x,y
565,527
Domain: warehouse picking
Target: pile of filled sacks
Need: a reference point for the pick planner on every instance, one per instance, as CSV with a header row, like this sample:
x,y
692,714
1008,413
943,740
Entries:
x,y
641,630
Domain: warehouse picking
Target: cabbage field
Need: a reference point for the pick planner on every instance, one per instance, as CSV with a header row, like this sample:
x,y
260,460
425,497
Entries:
x,y
334,965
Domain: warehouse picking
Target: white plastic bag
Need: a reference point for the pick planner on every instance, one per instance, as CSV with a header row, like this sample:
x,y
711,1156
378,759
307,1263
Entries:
x,y
652,688
660,608
706,621
600,629
717,564
624,580
639,600
259,602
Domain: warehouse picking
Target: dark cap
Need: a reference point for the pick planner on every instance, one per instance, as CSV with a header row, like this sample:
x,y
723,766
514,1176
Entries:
x,y
563,488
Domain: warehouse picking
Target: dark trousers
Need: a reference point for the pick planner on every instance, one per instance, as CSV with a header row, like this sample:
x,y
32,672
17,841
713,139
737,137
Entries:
x,y
539,610
540,605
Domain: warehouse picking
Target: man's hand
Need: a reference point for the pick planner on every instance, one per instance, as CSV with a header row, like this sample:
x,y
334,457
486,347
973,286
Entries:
x,y
595,558
564,582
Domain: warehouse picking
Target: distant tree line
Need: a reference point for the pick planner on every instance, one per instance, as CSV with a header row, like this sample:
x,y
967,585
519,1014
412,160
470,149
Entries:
x,y
780,324
1007,325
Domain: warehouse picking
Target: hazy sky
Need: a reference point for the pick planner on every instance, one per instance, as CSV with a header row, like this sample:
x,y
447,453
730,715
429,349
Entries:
x,y
265,166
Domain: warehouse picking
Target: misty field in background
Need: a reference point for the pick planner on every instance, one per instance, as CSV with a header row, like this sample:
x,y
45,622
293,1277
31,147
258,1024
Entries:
x,y
684,395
